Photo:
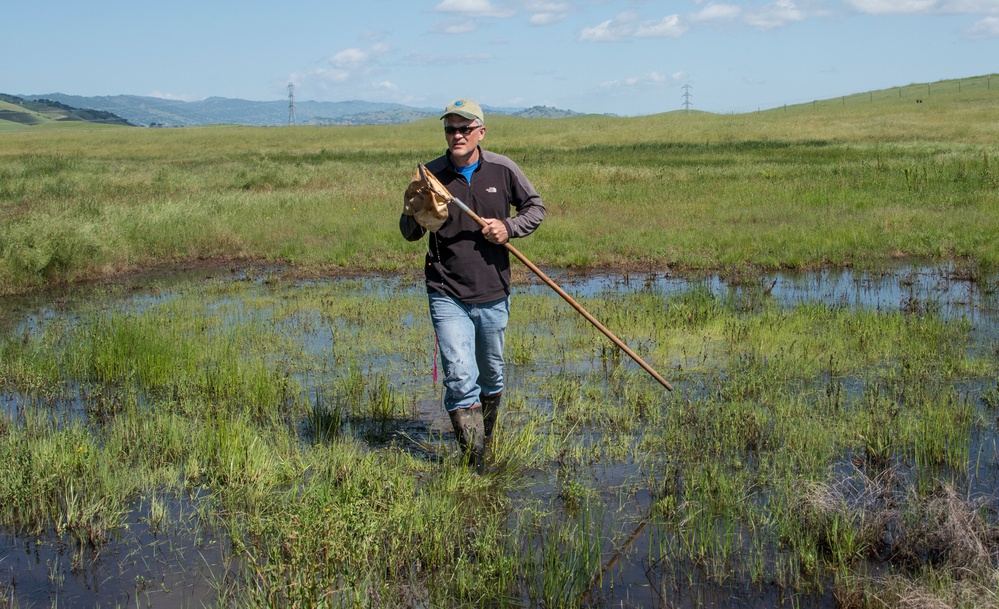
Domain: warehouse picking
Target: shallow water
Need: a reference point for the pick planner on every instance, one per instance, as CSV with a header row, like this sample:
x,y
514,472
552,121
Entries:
x,y
178,565
145,568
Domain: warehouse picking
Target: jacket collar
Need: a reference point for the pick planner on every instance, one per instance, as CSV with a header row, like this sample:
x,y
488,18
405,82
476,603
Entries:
x,y
450,160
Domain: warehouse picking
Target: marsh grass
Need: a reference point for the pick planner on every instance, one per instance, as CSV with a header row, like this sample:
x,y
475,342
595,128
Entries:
x,y
804,444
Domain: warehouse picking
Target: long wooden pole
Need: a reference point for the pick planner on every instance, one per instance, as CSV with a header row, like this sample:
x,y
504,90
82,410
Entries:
x,y
575,305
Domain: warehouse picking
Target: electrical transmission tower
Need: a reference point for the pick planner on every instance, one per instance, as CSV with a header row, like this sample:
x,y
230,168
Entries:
x,y
291,103
686,98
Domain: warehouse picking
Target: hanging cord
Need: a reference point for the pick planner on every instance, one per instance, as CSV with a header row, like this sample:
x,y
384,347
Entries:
x,y
433,248
447,417
437,348
427,446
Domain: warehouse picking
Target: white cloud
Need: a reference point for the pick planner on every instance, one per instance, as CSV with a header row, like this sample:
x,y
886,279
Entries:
x,y
349,58
354,59
972,6
472,8
427,59
908,7
645,81
717,12
546,13
171,96
776,14
608,31
986,28
669,27
347,67
630,25
372,34
325,76
891,7
455,26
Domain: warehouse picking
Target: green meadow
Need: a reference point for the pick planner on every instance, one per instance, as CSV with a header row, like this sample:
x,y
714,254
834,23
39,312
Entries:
x,y
856,182
215,358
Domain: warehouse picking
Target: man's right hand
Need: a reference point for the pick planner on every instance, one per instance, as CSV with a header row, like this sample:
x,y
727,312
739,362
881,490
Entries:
x,y
495,231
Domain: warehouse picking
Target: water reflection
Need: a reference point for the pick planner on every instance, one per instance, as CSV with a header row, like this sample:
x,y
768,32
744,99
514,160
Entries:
x,y
147,566
141,569
946,288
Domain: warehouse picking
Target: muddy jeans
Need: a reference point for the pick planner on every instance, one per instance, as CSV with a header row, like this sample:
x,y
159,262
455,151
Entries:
x,y
471,346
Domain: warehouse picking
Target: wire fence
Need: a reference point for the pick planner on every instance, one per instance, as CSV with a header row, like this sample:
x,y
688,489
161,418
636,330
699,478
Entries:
x,y
916,93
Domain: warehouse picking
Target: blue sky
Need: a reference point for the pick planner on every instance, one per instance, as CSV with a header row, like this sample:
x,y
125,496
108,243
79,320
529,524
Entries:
x,y
627,57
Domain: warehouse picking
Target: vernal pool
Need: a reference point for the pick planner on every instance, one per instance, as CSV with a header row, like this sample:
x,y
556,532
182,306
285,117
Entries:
x,y
245,438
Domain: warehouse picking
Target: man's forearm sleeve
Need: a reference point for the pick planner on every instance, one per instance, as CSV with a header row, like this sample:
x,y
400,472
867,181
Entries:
x,y
410,228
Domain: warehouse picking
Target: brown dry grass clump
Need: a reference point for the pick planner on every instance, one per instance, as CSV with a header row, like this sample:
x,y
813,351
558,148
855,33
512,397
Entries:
x,y
939,549
947,529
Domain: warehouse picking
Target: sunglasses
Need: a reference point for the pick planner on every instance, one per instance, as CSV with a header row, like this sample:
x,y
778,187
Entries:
x,y
462,130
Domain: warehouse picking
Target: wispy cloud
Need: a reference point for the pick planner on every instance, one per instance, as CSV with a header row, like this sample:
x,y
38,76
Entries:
x,y
171,96
546,13
473,8
891,7
668,27
642,82
466,15
607,31
631,25
717,12
429,59
454,26
986,28
776,14
349,66
908,7
348,59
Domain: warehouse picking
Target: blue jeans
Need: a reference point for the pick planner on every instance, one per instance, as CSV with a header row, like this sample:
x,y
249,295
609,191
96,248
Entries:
x,y
471,345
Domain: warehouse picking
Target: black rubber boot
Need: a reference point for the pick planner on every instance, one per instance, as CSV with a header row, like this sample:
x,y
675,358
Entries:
x,y
468,427
490,410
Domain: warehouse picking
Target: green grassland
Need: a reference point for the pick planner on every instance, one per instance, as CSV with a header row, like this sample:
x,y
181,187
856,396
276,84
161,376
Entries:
x,y
858,180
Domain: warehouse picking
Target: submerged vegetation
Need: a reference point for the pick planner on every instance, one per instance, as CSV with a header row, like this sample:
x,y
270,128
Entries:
x,y
811,450
276,434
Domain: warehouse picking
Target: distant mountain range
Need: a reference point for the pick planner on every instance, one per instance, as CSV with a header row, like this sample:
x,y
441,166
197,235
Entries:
x,y
157,112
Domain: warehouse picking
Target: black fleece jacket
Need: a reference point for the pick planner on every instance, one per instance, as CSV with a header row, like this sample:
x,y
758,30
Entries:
x,y
461,263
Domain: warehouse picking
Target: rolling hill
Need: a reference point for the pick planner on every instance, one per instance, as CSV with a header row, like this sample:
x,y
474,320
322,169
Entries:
x,y
21,111
157,112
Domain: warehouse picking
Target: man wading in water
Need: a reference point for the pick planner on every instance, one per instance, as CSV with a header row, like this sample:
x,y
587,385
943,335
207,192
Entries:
x,y
468,268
